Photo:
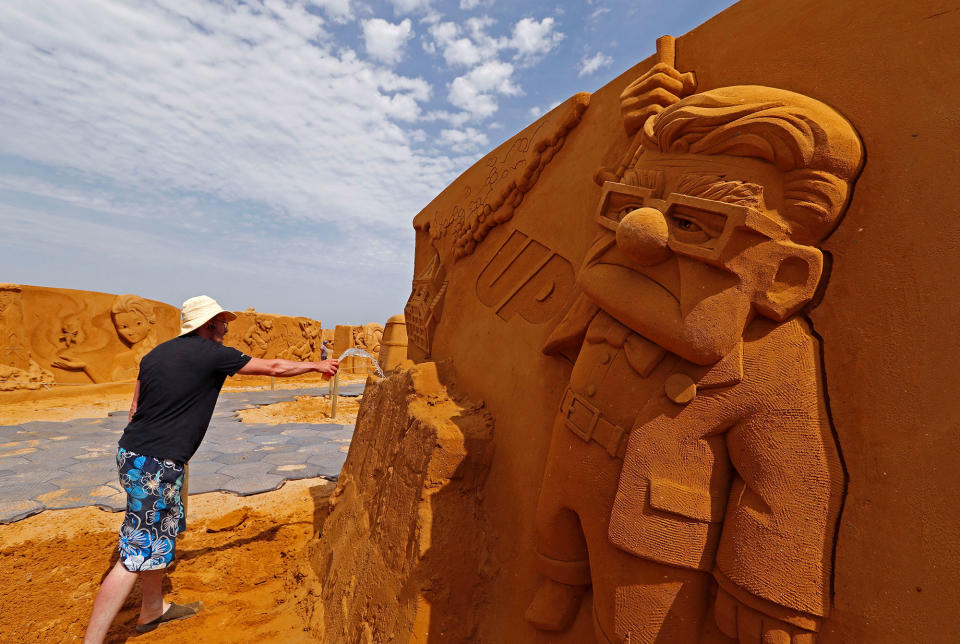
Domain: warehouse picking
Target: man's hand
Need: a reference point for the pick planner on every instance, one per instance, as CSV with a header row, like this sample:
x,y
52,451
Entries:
x,y
749,626
660,87
328,367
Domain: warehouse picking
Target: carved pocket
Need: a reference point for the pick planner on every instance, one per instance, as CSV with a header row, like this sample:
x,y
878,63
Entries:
x,y
672,497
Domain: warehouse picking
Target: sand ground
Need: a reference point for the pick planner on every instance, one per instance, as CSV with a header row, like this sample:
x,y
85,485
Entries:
x,y
97,404
239,555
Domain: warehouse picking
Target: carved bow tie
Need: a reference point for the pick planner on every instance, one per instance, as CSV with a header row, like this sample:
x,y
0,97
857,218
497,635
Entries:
x,y
642,354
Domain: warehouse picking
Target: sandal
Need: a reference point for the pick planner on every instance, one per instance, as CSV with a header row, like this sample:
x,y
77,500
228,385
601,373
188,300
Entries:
x,y
175,612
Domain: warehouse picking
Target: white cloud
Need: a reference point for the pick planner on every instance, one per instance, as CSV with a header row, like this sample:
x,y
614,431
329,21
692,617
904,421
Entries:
x,y
590,64
470,5
401,7
467,139
455,50
472,43
214,99
599,12
533,39
337,10
386,41
476,90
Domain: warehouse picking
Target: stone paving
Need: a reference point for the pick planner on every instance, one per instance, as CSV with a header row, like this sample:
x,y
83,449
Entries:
x,y
54,465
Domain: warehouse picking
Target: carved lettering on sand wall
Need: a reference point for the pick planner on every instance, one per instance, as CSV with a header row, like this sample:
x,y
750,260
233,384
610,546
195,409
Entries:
x,y
526,278
489,193
696,405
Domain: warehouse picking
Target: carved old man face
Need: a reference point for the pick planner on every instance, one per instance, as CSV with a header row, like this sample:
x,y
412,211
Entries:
x,y
690,258
718,218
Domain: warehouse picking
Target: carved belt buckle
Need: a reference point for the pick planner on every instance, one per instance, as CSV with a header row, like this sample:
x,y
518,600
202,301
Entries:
x,y
572,399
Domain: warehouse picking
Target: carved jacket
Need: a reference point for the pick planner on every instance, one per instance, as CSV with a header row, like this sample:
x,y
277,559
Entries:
x,y
744,479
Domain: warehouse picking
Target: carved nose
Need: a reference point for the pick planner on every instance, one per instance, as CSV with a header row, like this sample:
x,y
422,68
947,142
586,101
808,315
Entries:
x,y
642,236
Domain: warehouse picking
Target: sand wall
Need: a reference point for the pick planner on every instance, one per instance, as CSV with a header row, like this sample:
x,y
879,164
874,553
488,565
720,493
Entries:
x,y
391,562
820,500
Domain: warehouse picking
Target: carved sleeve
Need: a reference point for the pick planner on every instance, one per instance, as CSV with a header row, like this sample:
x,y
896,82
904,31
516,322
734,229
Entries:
x,y
776,548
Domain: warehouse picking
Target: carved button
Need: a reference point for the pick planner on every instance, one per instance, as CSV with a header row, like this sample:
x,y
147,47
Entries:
x,y
680,388
591,389
606,358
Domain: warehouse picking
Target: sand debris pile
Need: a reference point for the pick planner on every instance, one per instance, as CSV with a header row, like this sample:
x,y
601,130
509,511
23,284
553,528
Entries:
x,y
305,409
391,558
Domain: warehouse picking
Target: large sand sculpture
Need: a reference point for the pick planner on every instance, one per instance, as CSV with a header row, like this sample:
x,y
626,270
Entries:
x,y
710,344
62,337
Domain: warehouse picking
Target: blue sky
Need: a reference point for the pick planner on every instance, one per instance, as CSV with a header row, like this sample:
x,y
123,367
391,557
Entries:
x,y
272,153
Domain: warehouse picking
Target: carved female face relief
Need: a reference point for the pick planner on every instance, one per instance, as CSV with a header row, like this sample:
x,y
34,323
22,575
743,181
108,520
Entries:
x,y
132,327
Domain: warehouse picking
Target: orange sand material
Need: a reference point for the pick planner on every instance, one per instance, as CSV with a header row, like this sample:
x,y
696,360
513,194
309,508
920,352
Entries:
x,y
305,409
240,556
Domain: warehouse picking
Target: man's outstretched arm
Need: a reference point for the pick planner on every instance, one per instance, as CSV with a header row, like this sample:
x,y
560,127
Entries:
x,y
286,368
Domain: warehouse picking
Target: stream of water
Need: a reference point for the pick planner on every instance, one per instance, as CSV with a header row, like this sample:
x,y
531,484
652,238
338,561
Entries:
x,y
360,353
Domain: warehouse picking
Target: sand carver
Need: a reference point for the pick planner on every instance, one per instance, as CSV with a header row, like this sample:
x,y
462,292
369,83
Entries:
x,y
173,403
693,478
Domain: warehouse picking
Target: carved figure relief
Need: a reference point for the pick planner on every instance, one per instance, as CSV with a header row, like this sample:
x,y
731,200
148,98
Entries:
x,y
71,333
368,337
18,370
257,338
134,320
696,406
309,348
425,305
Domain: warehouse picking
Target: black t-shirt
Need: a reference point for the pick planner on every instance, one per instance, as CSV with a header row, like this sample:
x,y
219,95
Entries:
x,y
179,384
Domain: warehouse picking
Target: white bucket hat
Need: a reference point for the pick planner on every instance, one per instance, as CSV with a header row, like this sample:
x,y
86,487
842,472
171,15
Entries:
x,y
196,311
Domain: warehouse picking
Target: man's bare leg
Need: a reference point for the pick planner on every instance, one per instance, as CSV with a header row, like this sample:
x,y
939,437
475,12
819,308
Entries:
x,y
113,591
152,606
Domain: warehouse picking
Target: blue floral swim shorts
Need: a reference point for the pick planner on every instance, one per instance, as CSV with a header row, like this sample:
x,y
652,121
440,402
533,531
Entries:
x,y
154,518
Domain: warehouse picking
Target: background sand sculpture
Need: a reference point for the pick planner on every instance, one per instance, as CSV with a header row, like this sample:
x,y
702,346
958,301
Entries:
x,y
884,356
55,337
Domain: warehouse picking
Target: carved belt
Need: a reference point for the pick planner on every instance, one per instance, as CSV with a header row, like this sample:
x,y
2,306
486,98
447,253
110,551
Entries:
x,y
586,421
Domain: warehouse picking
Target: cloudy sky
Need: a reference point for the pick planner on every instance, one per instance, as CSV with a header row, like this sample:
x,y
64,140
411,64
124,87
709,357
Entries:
x,y
272,153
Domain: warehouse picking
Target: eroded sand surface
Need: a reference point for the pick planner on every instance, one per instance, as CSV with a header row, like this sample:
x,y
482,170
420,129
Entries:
x,y
305,409
63,409
239,556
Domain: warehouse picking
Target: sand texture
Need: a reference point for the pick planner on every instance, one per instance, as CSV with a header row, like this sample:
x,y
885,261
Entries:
x,y
239,555
305,409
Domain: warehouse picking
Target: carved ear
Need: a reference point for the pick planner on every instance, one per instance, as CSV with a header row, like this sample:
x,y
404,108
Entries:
x,y
793,282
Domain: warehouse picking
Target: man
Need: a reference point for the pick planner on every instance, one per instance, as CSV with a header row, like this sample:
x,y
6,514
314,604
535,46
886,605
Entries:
x,y
692,466
173,402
